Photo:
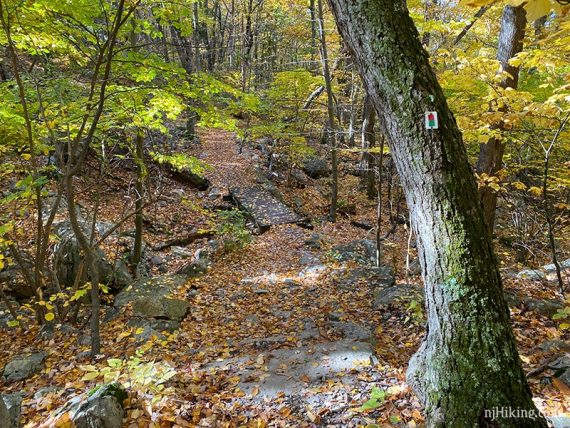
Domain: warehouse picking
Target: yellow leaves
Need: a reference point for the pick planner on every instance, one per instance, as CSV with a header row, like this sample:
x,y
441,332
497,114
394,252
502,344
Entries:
x,y
485,180
90,376
536,191
483,139
534,8
50,316
518,185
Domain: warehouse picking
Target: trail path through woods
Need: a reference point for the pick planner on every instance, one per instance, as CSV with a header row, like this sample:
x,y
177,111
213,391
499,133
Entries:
x,y
297,329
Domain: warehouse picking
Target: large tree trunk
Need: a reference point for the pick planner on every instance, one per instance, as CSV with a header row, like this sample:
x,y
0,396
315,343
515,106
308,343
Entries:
x,y
468,363
490,160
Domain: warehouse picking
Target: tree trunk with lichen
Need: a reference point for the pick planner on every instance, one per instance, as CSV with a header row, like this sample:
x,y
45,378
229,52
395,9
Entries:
x,y
467,364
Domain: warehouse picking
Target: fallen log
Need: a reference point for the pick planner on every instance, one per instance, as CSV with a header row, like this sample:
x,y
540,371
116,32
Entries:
x,y
193,236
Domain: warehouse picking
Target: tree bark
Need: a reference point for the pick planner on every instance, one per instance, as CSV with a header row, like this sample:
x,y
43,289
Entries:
x,y
331,126
368,141
139,202
467,365
490,161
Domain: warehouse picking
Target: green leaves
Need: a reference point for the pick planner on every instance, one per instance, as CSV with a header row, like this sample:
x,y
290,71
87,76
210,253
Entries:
x,y
377,397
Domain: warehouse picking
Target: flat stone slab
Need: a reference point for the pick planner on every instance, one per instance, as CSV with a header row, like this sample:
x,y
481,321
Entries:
x,y
294,371
264,208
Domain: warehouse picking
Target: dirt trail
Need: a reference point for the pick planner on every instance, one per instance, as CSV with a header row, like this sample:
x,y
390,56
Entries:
x,y
273,318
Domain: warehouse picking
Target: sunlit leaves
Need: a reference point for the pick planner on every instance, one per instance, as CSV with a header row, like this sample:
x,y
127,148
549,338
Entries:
x,y
534,8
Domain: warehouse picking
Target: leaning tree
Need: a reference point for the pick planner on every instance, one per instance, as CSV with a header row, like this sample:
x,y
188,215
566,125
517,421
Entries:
x,y
467,364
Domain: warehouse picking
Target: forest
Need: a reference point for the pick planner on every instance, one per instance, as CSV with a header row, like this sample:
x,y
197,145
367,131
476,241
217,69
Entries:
x,y
284,213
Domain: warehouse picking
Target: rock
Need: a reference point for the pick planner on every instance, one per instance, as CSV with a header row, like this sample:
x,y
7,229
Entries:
x,y
555,345
194,268
157,260
264,342
260,291
216,193
316,167
5,315
531,274
388,296
561,363
150,298
313,270
300,178
512,299
10,281
293,372
67,260
41,393
10,410
265,209
155,324
352,331
374,277
202,259
186,175
545,307
361,250
181,252
102,409
559,421
309,259
550,269
171,309
24,366
314,241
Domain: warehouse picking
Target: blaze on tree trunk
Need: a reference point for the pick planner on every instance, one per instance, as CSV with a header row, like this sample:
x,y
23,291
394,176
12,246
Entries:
x,y
490,160
468,363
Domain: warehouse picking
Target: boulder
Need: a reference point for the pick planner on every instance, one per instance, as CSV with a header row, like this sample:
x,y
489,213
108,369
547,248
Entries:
x,y
187,176
102,409
555,345
314,242
550,269
10,280
391,295
150,298
531,274
316,167
202,259
361,250
352,331
299,178
373,277
10,410
24,366
67,260
544,307
5,420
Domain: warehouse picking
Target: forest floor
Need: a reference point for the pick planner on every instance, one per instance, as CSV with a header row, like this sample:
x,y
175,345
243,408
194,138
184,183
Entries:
x,y
279,333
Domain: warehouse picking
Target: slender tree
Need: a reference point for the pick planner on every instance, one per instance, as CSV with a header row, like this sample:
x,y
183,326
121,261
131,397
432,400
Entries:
x,y
490,161
467,365
331,128
368,141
